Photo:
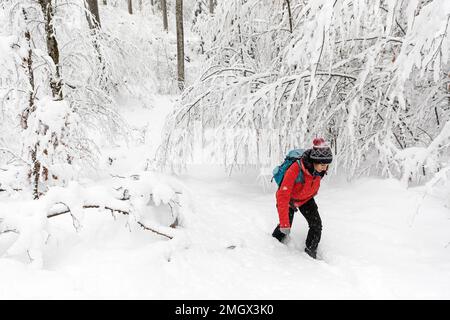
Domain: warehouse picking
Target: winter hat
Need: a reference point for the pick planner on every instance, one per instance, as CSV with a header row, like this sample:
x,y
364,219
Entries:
x,y
321,152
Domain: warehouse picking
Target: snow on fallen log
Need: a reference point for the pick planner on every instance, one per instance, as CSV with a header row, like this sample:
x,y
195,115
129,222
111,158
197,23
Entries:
x,y
143,198
12,178
29,220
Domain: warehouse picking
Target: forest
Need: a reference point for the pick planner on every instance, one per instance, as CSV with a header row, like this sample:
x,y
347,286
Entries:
x,y
146,116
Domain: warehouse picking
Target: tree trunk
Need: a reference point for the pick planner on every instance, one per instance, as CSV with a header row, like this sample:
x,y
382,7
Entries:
x,y
94,20
94,24
211,6
28,66
52,48
130,6
180,42
35,172
164,14
290,14
56,86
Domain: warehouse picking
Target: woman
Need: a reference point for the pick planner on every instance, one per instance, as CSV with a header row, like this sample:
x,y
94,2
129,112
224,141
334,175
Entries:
x,y
292,196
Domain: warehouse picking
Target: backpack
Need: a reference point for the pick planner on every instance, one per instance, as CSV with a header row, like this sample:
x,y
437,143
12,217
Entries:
x,y
279,171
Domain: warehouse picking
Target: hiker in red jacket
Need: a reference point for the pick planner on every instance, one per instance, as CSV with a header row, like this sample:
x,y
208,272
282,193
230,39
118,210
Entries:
x,y
292,196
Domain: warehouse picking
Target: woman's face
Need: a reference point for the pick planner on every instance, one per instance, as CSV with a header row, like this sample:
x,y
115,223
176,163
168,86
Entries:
x,y
319,167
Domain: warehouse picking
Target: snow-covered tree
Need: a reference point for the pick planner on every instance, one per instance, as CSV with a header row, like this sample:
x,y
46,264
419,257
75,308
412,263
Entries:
x,y
59,83
370,76
94,19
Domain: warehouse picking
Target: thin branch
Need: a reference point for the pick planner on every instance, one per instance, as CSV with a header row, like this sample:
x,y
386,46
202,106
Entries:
x,y
290,14
9,231
321,51
14,155
244,70
154,231
396,21
52,215
193,105
388,39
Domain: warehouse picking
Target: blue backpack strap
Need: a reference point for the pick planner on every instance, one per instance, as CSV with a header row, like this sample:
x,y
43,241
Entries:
x,y
300,177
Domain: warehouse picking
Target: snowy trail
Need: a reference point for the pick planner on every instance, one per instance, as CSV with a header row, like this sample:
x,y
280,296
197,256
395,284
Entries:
x,y
372,249
375,245
379,240
369,249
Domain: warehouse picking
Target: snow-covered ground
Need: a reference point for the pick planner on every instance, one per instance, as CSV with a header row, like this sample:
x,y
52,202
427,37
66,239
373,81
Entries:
x,y
380,241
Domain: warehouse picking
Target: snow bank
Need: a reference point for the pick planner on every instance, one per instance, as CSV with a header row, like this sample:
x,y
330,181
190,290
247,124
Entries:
x,y
379,241
7,60
29,220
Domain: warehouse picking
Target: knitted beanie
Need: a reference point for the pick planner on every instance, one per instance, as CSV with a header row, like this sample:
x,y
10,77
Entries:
x,y
321,152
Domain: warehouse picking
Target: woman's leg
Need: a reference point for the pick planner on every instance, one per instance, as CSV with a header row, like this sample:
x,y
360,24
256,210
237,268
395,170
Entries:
x,y
311,213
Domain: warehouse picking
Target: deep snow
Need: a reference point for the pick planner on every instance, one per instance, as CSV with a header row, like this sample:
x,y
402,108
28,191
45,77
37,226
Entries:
x,y
380,241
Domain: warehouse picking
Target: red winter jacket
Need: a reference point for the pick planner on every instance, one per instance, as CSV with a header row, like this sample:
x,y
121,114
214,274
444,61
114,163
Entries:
x,y
293,193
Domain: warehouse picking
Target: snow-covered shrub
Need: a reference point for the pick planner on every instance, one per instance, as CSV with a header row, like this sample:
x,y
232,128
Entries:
x,y
150,191
153,201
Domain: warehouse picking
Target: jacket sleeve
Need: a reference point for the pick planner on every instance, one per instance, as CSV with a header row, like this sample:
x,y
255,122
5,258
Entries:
x,y
283,194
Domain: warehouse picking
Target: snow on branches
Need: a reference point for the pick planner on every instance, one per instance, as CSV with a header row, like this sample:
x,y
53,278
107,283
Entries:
x,y
370,76
59,82
155,202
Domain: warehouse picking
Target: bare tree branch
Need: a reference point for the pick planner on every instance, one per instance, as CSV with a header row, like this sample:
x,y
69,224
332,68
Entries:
x,y
91,206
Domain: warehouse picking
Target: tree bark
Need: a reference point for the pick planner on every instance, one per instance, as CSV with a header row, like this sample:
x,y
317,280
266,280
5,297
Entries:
x,y
290,14
130,6
94,20
56,86
28,65
52,48
164,14
211,6
35,170
180,43
95,25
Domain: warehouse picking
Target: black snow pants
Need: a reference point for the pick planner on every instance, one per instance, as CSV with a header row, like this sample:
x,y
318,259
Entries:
x,y
310,211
